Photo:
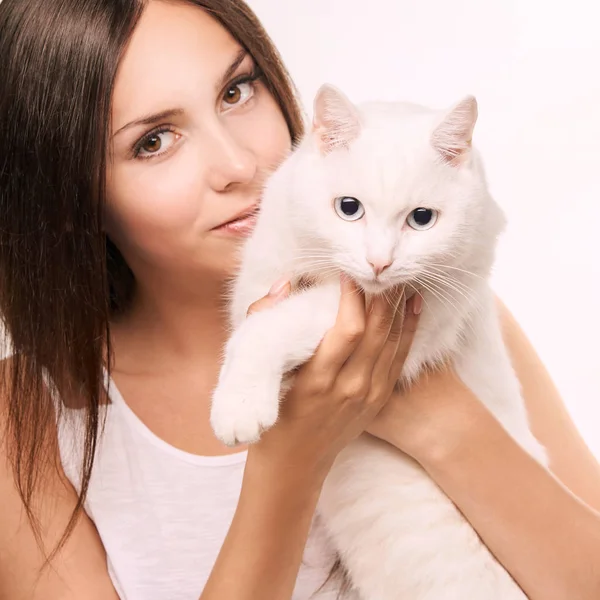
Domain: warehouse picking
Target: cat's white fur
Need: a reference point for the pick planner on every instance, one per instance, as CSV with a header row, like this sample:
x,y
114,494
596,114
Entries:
x,y
399,536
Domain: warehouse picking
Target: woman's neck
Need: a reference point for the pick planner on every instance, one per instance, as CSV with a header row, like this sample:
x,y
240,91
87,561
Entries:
x,y
170,326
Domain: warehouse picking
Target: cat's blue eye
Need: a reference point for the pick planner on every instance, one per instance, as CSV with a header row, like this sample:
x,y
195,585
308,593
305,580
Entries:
x,y
349,209
422,219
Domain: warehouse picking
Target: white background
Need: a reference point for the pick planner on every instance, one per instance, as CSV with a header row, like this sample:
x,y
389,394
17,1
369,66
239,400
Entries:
x,y
535,69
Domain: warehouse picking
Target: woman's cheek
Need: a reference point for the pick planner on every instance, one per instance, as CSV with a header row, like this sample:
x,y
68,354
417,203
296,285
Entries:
x,y
273,148
164,195
155,211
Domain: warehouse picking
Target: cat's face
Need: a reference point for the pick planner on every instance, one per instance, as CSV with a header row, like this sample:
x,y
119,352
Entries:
x,y
392,203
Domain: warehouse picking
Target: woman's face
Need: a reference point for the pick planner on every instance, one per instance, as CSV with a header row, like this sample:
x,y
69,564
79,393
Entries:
x,y
194,138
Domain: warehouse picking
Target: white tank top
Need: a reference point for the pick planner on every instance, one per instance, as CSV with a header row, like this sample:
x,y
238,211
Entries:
x,y
163,513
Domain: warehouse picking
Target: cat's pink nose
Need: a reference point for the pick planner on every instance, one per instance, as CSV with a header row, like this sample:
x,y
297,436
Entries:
x,y
379,267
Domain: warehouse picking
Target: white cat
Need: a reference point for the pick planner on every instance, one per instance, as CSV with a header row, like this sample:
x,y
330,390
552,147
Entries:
x,y
388,193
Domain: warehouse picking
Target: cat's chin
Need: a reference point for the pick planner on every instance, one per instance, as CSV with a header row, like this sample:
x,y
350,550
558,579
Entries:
x,y
374,287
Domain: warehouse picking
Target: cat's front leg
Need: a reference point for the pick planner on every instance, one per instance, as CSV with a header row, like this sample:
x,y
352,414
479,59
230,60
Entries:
x,y
261,350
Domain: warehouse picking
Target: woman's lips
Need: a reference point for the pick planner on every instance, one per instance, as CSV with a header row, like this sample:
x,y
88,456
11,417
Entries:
x,y
242,226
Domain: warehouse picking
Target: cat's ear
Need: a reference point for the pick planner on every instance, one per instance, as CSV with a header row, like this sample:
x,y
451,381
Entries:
x,y
452,137
336,122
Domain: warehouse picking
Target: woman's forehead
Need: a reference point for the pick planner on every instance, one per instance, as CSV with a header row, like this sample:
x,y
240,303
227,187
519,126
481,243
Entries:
x,y
177,53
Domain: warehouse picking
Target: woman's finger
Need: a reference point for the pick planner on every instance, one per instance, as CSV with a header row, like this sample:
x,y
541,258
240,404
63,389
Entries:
x,y
341,340
380,326
383,365
279,291
410,324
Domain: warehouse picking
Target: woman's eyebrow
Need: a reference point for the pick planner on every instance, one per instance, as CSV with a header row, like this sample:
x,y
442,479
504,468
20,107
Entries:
x,y
237,61
172,112
151,119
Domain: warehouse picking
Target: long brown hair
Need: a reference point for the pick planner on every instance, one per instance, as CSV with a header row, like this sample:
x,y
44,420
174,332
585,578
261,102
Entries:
x,y
61,279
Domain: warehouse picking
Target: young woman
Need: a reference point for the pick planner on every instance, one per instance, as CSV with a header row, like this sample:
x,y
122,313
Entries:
x,y
135,138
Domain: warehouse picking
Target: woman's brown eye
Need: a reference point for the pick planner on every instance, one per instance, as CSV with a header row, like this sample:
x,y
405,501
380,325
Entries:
x,y
233,95
155,143
152,144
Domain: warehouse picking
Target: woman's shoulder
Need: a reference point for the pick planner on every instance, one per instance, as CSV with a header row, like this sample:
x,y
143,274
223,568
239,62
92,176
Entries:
x,y
28,523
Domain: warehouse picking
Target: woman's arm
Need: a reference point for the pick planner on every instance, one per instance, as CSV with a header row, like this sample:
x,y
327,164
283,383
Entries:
x,y
263,549
546,536
570,459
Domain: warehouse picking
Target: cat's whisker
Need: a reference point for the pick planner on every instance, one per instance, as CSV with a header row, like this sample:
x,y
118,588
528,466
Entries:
x,y
443,277
302,266
466,292
469,294
308,257
387,296
324,271
442,272
313,251
428,307
458,311
309,263
428,286
453,282
442,267
442,294
435,295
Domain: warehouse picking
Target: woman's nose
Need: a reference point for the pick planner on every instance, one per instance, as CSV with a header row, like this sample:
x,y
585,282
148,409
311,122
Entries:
x,y
230,162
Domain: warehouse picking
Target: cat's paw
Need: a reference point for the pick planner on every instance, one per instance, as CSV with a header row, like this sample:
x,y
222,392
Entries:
x,y
240,412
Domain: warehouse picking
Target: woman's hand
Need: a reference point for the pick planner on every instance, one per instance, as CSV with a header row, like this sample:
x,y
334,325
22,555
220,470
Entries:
x,y
427,418
543,535
339,391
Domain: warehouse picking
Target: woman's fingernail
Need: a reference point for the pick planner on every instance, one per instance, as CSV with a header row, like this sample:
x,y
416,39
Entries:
x,y
417,303
345,280
284,292
279,286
